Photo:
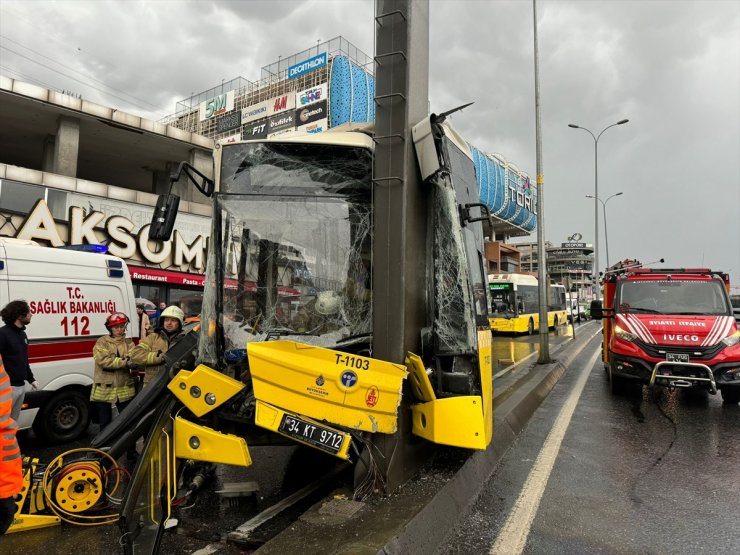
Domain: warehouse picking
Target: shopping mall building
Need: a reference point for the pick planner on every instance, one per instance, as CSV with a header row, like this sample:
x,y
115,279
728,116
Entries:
x,y
73,172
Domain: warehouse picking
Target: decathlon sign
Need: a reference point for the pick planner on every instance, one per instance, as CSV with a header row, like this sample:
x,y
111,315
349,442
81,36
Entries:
x,y
309,65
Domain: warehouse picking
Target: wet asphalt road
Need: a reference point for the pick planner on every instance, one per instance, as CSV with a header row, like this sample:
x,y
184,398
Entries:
x,y
653,472
205,522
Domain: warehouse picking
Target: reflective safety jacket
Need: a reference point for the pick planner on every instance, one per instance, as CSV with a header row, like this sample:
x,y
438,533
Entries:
x,y
112,379
11,471
150,350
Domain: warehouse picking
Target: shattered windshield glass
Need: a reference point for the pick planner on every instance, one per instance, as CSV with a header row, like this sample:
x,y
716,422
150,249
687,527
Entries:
x,y
296,244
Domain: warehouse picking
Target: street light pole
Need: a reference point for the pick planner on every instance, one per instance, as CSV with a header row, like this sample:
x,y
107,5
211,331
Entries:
x,y
606,229
596,196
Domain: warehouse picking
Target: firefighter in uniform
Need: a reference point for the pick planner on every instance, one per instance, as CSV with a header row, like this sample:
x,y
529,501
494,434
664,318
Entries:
x,y
11,471
112,381
150,350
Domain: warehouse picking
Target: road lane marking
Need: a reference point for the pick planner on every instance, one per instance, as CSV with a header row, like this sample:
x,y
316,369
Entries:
x,y
513,536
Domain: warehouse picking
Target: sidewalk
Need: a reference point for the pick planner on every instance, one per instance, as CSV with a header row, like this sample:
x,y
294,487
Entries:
x,y
416,518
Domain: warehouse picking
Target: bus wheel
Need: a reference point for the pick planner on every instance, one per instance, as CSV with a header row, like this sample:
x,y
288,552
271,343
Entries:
x,y
530,327
65,417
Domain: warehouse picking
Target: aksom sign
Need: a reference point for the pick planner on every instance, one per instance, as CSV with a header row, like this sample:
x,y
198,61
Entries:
x,y
121,238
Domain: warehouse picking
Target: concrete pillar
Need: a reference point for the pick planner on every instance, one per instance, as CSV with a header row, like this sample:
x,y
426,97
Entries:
x,y
202,161
47,161
399,253
66,146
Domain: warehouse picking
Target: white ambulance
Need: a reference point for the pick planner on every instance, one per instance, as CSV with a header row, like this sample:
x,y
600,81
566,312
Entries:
x,y
70,294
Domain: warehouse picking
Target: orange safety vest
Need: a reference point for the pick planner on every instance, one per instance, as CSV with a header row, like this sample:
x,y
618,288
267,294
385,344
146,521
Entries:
x,y
11,471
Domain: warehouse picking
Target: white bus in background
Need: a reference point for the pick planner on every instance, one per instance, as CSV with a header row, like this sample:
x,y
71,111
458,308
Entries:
x,y
70,294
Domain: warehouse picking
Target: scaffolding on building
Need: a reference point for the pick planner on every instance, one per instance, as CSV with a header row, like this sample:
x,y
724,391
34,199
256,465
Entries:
x,y
273,82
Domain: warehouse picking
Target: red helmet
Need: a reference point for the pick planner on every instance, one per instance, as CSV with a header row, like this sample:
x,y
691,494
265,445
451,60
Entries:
x,y
116,319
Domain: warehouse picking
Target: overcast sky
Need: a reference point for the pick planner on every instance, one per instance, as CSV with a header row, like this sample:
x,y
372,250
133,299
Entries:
x,y
671,66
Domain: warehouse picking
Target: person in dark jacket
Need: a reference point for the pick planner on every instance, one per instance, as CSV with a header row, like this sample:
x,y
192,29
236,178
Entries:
x,y
14,351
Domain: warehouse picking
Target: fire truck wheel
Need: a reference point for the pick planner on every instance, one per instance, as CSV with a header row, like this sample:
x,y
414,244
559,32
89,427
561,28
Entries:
x,y
617,384
730,395
65,417
530,327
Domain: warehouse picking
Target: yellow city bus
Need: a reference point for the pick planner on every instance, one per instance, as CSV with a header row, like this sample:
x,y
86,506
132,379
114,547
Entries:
x,y
515,304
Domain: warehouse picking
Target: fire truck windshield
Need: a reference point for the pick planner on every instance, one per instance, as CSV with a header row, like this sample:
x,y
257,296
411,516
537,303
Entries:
x,y
675,296
295,242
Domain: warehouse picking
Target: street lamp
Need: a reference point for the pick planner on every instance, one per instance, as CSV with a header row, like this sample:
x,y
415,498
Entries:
x,y
606,230
596,196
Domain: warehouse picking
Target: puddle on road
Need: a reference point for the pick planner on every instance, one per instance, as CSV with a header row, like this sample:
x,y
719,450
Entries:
x,y
509,350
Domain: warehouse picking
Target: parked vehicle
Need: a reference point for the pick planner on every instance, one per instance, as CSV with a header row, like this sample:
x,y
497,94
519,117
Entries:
x,y
670,327
515,304
70,294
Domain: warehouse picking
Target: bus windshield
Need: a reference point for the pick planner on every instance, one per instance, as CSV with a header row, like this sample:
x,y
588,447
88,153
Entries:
x,y
296,230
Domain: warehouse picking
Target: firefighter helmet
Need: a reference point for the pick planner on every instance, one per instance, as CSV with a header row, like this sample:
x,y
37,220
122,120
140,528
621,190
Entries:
x,y
173,312
116,319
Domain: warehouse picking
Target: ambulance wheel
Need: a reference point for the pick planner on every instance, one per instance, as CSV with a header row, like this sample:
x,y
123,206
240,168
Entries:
x,y
730,395
65,417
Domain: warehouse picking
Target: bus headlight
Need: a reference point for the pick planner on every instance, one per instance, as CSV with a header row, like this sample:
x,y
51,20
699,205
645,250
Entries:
x,y
623,334
731,340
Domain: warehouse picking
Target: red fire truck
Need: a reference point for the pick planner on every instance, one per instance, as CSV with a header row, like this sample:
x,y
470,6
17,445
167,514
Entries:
x,y
670,327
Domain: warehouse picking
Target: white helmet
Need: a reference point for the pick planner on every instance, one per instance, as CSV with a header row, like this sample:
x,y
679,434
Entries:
x,y
173,312
327,303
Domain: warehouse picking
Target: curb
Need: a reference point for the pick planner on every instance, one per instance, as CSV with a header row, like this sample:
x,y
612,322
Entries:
x,y
431,524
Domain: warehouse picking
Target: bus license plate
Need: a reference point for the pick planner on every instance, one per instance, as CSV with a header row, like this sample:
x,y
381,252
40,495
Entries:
x,y
677,357
311,433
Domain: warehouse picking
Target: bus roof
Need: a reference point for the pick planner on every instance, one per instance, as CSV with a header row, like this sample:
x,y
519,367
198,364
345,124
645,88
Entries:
x,y
352,137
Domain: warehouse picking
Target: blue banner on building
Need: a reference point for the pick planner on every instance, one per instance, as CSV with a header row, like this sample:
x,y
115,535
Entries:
x,y
307,65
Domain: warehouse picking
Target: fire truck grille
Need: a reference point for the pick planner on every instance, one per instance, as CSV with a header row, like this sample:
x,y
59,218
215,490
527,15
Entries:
x,y
695,352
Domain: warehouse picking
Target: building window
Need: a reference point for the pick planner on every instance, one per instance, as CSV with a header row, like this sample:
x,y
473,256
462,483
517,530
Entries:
x,y
21,197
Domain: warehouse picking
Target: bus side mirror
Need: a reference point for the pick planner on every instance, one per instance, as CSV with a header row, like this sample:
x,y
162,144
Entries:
x,y
597,310
163,219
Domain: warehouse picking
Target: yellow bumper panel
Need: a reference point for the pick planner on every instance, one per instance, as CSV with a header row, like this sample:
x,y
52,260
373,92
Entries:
x,y
200,443
346,390
420,384
304,430
465,421
203,389
456,421
485,361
